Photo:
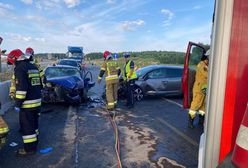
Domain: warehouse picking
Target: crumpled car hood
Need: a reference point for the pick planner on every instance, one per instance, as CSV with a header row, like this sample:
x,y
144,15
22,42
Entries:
x,y
69,82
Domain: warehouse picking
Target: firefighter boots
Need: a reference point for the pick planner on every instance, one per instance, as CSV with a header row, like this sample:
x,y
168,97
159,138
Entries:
x,y
201,120
191,122
22,152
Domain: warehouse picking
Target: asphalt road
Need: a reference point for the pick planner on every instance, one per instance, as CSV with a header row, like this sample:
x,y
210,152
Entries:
x,y
153,134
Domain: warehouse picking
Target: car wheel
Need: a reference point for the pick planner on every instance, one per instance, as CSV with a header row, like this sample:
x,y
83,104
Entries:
x,y
138,94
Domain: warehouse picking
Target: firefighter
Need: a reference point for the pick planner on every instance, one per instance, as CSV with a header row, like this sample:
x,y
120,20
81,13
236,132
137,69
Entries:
x,y
129,78
199,91
30,52
4,129
112,72
27,99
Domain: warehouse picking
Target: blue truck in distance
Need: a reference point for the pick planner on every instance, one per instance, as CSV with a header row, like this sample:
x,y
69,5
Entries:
x,y
76,53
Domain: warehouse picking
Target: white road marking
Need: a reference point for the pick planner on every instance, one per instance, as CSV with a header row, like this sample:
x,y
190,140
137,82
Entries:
x,y
178,132
173,102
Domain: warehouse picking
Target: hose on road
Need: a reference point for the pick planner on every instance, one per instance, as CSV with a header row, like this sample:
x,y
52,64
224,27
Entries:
x,y
117,140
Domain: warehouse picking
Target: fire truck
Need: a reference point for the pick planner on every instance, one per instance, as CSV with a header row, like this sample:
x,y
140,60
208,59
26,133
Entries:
x,y
227,93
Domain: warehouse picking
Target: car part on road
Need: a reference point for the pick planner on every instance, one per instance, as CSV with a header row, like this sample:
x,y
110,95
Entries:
x,y
46,150
13,144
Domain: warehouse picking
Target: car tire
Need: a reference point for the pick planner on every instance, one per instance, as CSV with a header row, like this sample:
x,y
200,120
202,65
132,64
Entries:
x,y
138,93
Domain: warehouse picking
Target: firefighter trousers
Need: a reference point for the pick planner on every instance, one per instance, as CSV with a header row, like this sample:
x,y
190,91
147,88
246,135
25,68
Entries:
x,y
29,127
198,104
130,94
111,95
4,129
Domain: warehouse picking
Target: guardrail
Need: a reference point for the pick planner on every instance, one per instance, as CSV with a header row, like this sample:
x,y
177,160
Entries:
x,y
5,100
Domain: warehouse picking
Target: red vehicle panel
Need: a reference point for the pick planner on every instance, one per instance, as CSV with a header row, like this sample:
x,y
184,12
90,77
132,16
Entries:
x,y
236,94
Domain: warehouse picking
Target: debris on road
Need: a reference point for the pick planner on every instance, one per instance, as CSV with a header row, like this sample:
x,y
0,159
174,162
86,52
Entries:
x,y
165,162
46,150
13,144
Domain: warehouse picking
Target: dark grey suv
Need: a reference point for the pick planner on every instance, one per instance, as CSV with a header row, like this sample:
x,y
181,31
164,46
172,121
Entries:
x,y
158,80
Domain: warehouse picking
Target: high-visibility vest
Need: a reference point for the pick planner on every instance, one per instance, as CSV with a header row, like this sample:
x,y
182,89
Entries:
x,y
12,85
127,71
112,70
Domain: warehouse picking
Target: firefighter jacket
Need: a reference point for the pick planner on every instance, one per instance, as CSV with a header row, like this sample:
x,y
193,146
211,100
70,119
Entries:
x,y
112,70
201,78
129,71
4,129
28,85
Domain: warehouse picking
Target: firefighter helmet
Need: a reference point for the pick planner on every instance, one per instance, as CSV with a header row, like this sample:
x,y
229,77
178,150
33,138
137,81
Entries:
x,y
15,55
29,51
205,56
208,52
107,55
126,55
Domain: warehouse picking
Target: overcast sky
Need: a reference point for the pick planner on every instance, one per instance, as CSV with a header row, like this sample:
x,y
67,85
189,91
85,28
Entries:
x,y
98,25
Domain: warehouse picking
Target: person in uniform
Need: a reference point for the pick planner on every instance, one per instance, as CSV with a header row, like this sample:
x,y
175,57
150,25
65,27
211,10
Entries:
x,y
129,78
112,71
199,91
27,99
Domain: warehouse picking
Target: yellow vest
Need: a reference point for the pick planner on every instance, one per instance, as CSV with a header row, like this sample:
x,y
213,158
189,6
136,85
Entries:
x,y
128,70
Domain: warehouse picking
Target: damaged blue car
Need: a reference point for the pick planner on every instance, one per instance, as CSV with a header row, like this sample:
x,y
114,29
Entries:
x,y
68,84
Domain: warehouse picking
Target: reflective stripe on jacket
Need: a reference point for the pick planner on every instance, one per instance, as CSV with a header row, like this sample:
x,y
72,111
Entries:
x,y
3,126
12,85
111,70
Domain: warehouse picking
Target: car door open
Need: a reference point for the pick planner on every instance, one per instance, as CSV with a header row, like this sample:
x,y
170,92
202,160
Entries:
x,y
192,58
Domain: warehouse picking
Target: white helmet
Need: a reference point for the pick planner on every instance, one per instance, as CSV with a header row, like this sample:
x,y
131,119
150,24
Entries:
x,y
208,52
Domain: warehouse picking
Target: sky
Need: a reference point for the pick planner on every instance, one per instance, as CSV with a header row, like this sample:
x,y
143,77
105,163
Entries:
x,y
50,26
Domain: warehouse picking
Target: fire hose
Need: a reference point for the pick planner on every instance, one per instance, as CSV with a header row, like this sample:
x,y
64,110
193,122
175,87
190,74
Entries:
x,y
117,140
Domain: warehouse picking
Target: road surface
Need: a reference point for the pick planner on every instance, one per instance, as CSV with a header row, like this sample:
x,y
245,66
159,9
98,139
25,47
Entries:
x,y
153,134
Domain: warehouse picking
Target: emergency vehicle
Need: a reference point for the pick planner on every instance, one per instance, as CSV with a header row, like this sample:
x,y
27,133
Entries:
x,y
227,93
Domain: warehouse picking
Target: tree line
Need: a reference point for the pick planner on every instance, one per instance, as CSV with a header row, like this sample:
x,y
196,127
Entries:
x,y
163,57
